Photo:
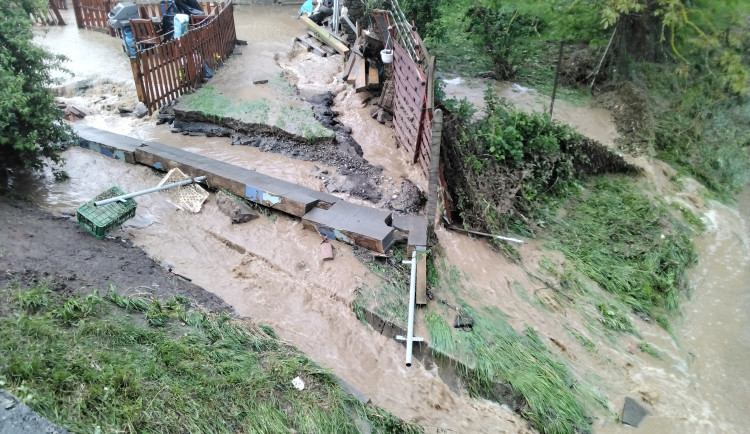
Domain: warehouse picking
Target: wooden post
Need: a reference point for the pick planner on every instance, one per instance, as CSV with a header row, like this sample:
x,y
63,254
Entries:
x,y
138,78
324,36
58,17
434,173
557,76
77,12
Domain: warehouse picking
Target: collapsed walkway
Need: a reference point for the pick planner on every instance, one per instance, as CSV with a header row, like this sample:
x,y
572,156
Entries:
x,y
326,214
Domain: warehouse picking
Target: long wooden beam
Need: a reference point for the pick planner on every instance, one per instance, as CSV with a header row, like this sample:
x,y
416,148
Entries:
x,y
324,36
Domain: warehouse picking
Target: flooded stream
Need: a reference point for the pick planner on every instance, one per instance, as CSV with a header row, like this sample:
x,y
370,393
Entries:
x,y
270,270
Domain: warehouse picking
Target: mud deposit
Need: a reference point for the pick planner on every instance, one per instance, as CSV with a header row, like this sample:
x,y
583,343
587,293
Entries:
x,y
38,247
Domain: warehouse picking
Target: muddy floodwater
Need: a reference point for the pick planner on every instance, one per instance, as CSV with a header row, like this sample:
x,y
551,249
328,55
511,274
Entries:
x,y
270,270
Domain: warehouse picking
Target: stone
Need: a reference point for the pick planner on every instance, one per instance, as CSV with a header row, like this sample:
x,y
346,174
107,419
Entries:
x,y
463,322
238,211
632,412
140,110
374,111
384,116
263,81
326,250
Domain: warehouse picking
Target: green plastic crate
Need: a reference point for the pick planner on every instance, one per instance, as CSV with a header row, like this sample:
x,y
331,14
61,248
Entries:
x,y
100,220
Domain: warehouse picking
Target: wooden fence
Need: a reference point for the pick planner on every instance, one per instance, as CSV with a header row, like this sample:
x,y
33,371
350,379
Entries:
x,y
413,101
165,72
414,71
94,14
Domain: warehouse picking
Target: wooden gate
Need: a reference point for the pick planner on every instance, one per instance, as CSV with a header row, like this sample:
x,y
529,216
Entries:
x,y
173,68
92,14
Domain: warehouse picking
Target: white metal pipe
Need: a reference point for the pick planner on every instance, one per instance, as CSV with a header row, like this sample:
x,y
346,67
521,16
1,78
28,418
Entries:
x,y
412,302
150,190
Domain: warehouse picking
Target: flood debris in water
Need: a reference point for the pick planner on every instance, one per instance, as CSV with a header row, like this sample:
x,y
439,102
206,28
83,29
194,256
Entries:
x,y
632,412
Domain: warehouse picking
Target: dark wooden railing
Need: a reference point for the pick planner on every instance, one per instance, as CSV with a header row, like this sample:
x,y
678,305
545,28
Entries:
x,y
165,72
413,101
93,14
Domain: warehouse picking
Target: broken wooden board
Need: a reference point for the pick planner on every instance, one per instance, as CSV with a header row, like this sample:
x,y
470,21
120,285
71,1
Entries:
x,y
421,278
323,45
372,77
348,67
324,36
306,42
360,81
352,77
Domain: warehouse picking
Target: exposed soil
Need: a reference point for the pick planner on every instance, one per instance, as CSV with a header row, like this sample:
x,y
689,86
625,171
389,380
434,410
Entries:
x,y
37,247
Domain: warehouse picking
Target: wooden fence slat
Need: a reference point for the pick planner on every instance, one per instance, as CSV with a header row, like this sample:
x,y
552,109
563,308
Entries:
x,y
173,68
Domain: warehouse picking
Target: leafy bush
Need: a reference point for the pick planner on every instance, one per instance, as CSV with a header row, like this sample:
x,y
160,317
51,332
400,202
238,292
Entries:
x,y
501,32
30,122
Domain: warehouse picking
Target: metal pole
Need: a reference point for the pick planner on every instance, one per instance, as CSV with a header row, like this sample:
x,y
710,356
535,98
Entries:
x,y
410,338
150,190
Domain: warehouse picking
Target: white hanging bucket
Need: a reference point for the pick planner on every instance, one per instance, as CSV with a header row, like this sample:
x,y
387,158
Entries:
x,y
386,56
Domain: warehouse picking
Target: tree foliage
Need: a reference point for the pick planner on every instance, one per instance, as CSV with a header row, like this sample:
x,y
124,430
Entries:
x,y
30,123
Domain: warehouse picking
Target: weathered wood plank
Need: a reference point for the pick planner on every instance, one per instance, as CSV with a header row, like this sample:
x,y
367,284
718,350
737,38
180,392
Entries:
x,y
421,279
324,36
360,82
306,42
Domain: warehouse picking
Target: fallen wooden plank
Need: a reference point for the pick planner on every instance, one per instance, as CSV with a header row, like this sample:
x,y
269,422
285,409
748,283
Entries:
x,y
372,76
334,35
324,36
349,22
323,45
351,79
311,46
360,82
421,279
348,67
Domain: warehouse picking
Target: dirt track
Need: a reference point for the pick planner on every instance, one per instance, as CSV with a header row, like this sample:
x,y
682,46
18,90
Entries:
x,y
36,246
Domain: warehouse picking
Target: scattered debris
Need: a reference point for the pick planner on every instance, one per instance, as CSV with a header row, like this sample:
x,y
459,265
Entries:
x,y
189,196
140,110
260,81
298,383
238,211
179,275
326,250
632,412
463,322
124,110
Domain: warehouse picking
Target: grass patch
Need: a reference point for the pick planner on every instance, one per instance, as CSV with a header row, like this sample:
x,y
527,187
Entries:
x,y
494,352
628,245
649,349
690,217
388,299
585,342
93,364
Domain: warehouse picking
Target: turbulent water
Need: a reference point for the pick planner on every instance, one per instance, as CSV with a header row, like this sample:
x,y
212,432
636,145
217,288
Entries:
x,y
270,269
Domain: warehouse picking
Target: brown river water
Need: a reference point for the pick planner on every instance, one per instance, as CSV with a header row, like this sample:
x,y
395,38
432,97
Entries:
x,y
270,271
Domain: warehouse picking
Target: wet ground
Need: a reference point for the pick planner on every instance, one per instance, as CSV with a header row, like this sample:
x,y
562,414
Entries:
x,y
270,271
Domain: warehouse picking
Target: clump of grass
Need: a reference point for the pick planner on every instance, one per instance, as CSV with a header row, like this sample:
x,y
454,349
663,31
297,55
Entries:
x,y
35,299
388,299
494,352
690,217
649,349
585,342
132,304
614,318
628,245
211,374
78,308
